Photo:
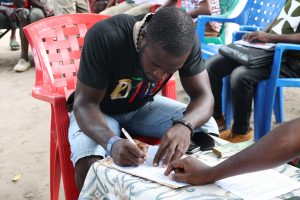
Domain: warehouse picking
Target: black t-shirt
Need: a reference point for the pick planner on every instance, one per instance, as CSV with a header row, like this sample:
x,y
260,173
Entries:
x,y
110,61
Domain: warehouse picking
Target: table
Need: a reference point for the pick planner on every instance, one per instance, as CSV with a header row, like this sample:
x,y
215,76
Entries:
x,y
109,184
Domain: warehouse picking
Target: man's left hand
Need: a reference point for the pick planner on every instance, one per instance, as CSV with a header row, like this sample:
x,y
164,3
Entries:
x,y
173,145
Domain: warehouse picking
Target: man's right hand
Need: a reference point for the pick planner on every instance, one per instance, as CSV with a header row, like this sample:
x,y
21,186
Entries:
x,y
125,153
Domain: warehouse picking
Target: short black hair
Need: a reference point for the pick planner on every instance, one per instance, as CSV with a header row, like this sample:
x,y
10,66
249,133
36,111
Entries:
x,y
171,29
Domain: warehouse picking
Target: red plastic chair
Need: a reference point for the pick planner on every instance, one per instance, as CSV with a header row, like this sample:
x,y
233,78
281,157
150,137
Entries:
x,y
56,44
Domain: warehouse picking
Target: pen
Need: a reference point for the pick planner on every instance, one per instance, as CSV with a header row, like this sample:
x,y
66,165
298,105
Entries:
x,y
128,136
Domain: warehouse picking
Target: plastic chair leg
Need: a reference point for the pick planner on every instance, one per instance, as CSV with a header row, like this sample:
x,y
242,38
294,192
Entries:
x,y
227,104
259,104
55,170
278,105
66,166
169,89
68,173
269,104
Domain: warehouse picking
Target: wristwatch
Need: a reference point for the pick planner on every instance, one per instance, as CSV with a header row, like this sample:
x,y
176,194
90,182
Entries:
x,y
110,144
185,123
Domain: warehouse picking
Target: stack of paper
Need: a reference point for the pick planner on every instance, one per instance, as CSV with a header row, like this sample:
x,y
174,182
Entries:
x,y
262,185
230,149
258,45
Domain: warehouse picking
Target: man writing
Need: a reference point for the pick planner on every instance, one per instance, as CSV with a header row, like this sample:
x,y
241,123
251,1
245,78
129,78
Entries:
x,y
124,64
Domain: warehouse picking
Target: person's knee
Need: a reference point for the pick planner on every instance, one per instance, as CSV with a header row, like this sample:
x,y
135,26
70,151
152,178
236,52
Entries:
x,y
36,14
215,64
239,77
82,167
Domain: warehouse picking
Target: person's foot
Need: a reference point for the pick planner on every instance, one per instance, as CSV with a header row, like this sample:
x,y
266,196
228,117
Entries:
x,y
22,65
225,134
221,123
14,45
235,138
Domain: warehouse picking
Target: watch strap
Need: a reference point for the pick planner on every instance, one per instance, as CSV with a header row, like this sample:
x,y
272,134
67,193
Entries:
x,y
110,144
185,123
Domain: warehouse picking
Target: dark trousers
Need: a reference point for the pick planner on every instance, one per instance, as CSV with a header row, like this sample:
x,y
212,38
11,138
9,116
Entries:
x,y
242,82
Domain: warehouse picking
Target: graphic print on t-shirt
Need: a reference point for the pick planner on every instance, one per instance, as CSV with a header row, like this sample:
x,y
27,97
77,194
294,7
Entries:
x,y
135,87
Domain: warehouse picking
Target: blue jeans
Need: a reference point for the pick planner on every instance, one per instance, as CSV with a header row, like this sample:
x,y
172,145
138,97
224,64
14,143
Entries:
x,y
152,120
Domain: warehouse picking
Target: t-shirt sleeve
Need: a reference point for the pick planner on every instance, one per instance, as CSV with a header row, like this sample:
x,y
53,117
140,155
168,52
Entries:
x,y
93,68
194,63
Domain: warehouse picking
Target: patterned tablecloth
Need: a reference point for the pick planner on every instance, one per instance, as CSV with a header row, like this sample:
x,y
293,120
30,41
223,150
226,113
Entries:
x,y
109,184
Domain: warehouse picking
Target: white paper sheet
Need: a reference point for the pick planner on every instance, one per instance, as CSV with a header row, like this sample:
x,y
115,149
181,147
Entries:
x,y
149,172
259,45
260,185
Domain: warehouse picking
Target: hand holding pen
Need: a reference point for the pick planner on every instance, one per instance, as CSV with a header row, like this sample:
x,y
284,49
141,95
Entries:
x,y
129,152
143,146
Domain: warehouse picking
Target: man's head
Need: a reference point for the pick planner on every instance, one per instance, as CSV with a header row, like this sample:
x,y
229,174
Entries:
x,y
166,42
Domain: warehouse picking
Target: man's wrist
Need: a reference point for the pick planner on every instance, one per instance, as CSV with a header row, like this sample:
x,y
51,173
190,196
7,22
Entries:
x,y
110,144
186,124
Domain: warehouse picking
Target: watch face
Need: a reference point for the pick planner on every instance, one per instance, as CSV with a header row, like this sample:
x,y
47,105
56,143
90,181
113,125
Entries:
x,y
108,147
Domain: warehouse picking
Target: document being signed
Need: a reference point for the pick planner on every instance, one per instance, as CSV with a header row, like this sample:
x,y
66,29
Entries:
x,y
149,172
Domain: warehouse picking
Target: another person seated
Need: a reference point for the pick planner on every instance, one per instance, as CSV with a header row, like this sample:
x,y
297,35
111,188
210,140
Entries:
x,y
125,62
201,7
62,7
23,13
278,147
130,7
6,23
285,29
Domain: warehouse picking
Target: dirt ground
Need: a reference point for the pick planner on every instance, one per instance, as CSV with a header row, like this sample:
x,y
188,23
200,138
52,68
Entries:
x,y
24,125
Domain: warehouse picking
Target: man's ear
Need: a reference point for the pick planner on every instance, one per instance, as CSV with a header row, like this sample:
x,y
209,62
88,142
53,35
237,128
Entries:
x,y
143,35
143,38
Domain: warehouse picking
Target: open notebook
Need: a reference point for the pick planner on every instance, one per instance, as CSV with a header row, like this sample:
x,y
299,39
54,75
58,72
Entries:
x,y
147,171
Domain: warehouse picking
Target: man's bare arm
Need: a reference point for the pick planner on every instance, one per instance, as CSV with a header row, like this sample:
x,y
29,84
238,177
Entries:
x,y
92,122
280,146
200,108
204,9
272,38
88,114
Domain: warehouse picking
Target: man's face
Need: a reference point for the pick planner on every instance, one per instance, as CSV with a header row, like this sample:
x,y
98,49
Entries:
x,y
157,63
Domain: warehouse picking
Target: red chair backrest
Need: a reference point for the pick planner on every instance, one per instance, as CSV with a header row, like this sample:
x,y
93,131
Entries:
x,y
59,40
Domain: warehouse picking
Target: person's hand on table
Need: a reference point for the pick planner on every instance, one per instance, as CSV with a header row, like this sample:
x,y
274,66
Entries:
x,y
256,36
125,153
190,170
173,145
